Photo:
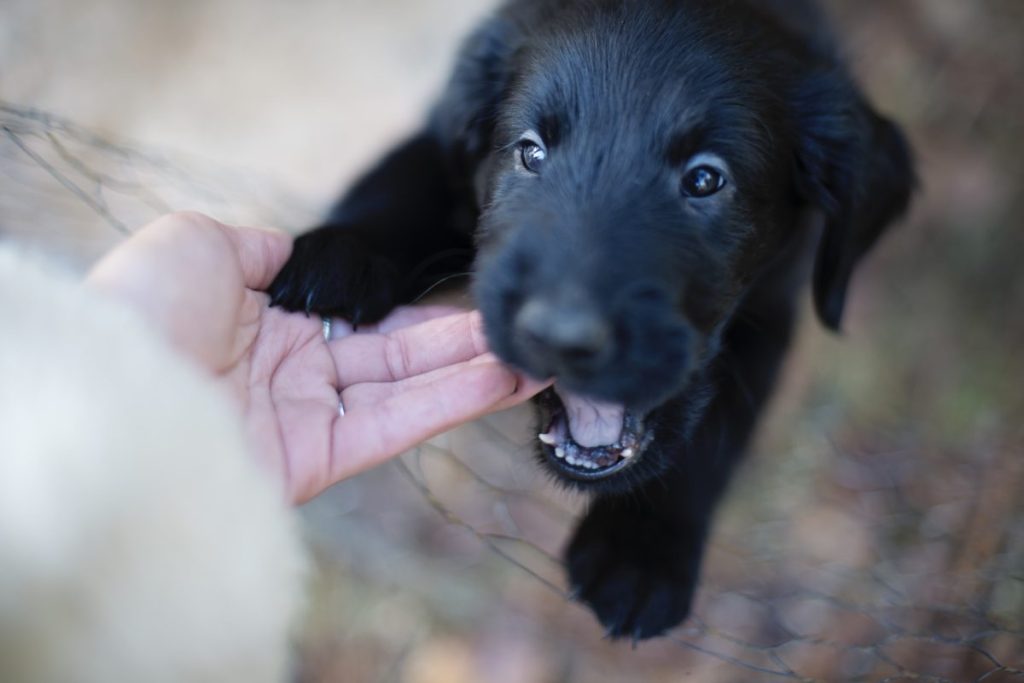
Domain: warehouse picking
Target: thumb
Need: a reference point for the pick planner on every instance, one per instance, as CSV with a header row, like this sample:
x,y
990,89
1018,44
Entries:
x,y
261,253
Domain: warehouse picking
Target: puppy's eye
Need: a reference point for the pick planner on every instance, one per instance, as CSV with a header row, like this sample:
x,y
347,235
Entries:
x,y
532,156
702,181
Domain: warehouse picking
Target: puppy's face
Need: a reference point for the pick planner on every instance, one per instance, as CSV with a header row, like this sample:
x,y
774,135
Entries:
x,y
638,186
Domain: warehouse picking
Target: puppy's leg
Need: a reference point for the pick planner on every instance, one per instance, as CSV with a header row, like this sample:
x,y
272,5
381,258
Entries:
x,y
385,242
635,559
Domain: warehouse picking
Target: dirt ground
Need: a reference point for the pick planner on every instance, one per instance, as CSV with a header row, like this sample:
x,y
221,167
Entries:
x,y
877,531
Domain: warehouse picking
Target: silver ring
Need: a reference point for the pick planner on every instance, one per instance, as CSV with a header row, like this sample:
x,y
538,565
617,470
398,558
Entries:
x,y
341,407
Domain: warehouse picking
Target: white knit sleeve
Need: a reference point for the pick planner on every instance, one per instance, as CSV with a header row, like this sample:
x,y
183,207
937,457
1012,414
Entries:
x,y
138,541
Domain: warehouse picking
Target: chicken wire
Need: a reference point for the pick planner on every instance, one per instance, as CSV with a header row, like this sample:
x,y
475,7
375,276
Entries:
x,y
77,192
848,550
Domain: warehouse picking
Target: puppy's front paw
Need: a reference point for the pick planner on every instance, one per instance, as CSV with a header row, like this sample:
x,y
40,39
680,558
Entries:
x,y
332,272
636,572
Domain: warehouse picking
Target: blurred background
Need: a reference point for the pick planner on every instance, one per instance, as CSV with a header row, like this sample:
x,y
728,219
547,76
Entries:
x,y
877,530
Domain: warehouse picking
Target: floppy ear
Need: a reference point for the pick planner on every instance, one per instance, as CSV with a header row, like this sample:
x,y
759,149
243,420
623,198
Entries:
x,y
857,167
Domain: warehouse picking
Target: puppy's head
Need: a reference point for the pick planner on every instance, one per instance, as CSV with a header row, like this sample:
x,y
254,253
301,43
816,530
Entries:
x,y
639,167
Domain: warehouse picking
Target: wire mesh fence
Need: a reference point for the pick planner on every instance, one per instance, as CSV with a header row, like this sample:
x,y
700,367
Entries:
x,y
78,192
900,566
875,534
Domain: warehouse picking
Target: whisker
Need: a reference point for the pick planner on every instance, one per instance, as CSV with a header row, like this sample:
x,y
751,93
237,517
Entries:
x,y
440,282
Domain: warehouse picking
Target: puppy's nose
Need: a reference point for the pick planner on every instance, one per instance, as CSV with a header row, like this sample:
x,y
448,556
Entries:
x,y
563,335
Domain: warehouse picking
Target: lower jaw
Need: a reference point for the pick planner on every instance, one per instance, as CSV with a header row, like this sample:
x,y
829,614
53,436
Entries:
x,y
631,445
578,474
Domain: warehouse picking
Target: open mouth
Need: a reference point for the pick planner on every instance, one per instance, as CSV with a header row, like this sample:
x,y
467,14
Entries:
x,y
587,440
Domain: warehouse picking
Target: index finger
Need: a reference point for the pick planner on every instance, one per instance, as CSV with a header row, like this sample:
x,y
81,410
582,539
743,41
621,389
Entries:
x,y
408,351
366,437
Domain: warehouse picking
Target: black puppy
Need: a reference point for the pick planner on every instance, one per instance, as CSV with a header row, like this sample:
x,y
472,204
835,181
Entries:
x,y
637,185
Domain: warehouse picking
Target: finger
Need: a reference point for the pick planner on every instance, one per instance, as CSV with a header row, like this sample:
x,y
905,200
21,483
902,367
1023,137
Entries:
x,y
261,253
368,394
406,316
403,316
365,438
526,388
408,351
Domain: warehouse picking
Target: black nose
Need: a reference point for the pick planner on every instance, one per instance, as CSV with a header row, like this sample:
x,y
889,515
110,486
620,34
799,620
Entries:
x,y
567,336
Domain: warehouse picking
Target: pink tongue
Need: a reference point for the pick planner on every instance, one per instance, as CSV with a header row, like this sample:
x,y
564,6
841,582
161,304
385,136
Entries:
x,y
591,423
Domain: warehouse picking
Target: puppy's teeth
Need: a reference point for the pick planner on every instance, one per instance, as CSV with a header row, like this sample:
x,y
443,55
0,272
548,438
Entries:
x,y
548,439
559,452
628,453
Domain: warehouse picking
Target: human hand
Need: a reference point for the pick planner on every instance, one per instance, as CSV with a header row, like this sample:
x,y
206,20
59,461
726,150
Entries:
x,y
411,377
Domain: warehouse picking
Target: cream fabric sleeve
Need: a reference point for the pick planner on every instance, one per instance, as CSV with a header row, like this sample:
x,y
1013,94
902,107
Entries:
x,y
138,541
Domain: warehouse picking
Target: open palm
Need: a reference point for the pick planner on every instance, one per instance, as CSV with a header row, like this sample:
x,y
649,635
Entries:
x,y
416,374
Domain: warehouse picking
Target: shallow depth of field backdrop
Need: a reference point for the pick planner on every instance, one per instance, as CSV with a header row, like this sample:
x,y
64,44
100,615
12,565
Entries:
x,y
877,530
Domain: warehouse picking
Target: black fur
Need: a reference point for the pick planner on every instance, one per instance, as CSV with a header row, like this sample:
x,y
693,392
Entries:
x,y
681,308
